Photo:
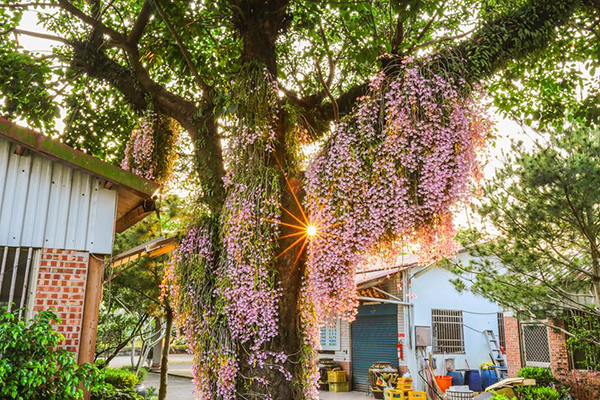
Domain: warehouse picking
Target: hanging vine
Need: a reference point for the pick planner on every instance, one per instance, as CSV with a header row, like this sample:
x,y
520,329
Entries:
x,y
150,151
390,174
228,305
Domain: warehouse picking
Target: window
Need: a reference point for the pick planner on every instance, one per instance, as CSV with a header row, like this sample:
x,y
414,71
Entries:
x,y
15,275
583,357
535,345
501,334
448,333
330,336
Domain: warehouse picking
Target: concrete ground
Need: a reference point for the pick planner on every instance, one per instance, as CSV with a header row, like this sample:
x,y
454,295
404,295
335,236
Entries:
x,y
180,386
344,396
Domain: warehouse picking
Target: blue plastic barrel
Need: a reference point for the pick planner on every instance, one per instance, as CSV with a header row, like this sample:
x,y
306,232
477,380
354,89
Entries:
x,y
457,378
473,379
488,377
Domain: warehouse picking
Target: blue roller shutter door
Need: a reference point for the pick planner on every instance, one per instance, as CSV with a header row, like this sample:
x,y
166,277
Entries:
x,y
374,339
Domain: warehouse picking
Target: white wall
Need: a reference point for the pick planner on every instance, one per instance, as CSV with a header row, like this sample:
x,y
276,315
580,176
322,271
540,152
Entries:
x,y
434,290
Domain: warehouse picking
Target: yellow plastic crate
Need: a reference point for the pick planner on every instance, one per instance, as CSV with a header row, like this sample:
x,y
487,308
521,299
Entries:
x,y
336,376
339,387
404,384
416,395
394,394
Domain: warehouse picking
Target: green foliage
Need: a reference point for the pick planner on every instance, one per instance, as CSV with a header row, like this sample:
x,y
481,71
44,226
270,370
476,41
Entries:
x,y
24,81
98,121
543,376
33,367
109,392
142,375
538,393
561,84
120,378
586,331
502,397
540,247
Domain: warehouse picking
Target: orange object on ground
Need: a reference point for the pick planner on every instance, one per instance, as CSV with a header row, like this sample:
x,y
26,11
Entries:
x,y
444,382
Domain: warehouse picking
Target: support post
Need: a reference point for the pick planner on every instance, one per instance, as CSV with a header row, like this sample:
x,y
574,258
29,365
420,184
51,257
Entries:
x,y
157,351
91,309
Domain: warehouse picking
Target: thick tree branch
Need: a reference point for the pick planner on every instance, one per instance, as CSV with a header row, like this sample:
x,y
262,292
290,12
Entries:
x,y
140,24
95,63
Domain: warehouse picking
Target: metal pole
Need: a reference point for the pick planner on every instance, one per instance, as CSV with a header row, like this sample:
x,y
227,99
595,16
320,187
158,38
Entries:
x,y
13,281
402,303
25,282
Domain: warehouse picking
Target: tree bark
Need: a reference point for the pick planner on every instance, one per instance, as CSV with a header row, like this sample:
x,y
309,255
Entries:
x,y
164,362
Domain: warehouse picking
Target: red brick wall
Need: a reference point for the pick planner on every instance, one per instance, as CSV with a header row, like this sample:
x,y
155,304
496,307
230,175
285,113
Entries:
x,y
583,385
513,345
60,287
557,341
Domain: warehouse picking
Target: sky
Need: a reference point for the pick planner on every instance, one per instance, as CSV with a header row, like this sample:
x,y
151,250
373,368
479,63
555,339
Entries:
x,y
506,129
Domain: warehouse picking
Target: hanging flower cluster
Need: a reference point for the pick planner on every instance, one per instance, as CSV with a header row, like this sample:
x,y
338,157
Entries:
x,y
140,148
150,151
391,173
228,302
191,282
249,225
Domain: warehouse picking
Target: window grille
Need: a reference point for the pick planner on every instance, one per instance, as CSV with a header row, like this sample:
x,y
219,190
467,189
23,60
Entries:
x,y
501,334
448,332
580,358
535,345
330,336
15,275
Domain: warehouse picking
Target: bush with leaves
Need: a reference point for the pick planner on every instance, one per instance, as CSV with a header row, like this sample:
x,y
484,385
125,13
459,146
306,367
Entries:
x,y
33,367
119,385
538,393
543,376
121,378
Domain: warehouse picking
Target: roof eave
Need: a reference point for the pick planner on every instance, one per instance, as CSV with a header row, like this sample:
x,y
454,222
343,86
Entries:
x,y
73,158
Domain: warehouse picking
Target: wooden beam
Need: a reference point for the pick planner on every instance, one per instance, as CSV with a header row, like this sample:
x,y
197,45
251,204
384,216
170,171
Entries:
x,y
91,309
135,215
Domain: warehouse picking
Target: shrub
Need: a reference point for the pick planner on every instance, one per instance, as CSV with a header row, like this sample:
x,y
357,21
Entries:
x,y
501,397
542,376
538,393
33,367
142,374
120,378
109,392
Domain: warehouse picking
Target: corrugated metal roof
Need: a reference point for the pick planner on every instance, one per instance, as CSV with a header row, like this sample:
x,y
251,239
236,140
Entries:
x,y
135,193
44,203
370,274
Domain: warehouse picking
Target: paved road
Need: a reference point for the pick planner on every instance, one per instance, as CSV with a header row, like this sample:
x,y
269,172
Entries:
x,y
180,385
178,388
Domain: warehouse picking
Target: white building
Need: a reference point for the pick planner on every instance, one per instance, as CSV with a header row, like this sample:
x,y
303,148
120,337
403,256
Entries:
x,y
399,302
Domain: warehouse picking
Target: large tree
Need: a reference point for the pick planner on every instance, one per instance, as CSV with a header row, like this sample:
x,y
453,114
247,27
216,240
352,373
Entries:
x,y
368,80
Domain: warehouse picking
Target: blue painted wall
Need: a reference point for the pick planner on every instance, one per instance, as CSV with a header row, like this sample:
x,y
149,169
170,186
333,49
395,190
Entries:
x,y
434,290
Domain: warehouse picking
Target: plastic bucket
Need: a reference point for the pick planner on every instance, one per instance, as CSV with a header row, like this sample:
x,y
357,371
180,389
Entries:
x,y
457,378
444,382
473,380
488,377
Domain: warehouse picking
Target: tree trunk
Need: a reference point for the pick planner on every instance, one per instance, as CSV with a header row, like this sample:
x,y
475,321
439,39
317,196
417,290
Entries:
x,y
164,363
